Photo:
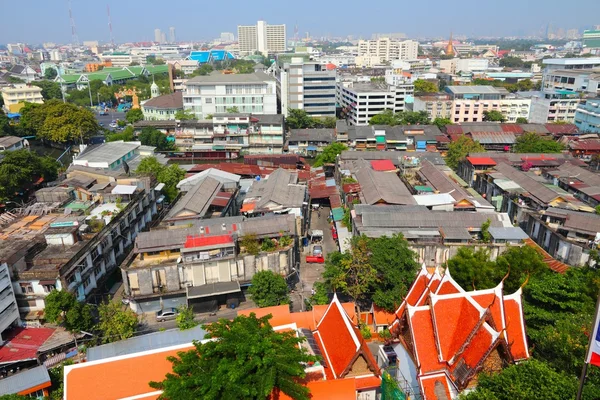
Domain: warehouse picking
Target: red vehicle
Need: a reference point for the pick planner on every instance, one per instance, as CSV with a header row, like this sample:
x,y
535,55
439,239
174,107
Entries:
x,y
315,259
334,233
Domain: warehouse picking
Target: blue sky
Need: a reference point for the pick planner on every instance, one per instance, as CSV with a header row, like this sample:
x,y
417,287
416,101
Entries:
x,y
135,20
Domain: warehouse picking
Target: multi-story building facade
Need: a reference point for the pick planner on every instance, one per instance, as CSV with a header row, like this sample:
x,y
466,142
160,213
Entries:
x,y
306,85
384,50
216,93
119,59
587,117
551,64
571,80
437,105
9,311
163,107
551,106
591,40
262,37
16,95
471,102
361,101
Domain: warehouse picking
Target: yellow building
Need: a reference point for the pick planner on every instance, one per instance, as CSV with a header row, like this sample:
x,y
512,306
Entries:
x,y
16,95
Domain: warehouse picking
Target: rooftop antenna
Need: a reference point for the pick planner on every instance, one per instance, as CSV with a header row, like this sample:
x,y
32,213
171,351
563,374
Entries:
x,y
74,38
112,38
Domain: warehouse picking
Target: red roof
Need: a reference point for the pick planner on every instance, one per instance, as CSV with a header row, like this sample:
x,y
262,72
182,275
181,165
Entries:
x,y
222,199
23,343
515,326
585,144
432,385
330,67
512,128
351,188
454,129
421,325
481,161
442,139
202,241
383,165
562,129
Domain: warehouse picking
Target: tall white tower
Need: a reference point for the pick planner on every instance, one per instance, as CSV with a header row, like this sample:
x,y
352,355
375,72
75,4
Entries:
x,y
154,90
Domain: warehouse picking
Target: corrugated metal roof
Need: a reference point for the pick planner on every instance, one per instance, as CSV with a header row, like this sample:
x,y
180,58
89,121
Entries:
x,y
24,380
534,188
481,161
507,233
151,341
198,199
494,137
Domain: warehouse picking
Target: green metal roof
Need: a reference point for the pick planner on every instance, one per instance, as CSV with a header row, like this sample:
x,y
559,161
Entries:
x,y
98,76
123,74
423,188
157,69
136,70
70,78
338,214
110,69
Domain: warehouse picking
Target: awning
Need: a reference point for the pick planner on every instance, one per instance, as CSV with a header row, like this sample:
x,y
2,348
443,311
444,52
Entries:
x,y
48,282
338,214
159,187
213,289
124,189
52,361
311,148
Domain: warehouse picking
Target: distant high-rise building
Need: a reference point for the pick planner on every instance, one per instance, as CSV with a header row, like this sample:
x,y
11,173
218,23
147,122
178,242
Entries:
x,y
572,34
385,49
163,38
227,37
172,34
262,37
157,35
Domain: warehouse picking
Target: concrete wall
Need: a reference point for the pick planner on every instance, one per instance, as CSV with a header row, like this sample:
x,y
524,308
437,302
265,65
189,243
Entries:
x,y
441,253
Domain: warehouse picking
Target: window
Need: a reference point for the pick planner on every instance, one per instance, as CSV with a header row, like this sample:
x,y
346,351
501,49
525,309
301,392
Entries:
x,y
208,100
49,288
26,287
97,271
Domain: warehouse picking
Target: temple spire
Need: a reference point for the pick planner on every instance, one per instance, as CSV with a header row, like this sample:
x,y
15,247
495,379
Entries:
x,y
450,46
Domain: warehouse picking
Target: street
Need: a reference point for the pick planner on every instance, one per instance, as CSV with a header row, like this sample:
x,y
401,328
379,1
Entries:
x,y
107,119
311,273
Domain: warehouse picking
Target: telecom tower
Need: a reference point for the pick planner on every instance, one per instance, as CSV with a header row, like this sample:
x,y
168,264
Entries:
x,y
74,38
112,38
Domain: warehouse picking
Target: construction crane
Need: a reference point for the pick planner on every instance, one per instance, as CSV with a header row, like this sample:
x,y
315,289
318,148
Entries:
x,y
74,38
112,39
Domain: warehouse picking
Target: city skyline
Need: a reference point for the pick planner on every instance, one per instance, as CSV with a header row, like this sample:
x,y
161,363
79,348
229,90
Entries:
x,y
135,21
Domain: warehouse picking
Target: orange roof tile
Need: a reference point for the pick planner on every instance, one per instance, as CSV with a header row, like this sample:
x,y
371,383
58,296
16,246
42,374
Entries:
x,y
128,375
339,341
478,346
418,287
423,335
310,319
382,317
280,314
448,285
454,317
492,299
430,385
336,389
368,382
515,326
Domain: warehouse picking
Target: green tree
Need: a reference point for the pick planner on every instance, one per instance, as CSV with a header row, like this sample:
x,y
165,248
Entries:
x,y
386,117
185,318
520,263
493,116
126,135
533,143
149,166
396,267
528,380
6,129
183,115
459,149
171,176
298,119
63,308
204,69
423,86
233,110
14,397
153,137
486,237
116,323
329,154
248,361
57,380
134,115
321,295
269,289
59,122
511,62
50,89
441,122
597,209
325,122
20,167
50,74
522,120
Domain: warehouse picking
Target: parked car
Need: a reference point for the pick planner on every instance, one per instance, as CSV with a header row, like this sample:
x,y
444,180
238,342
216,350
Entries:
x,y
334,233
166,314
317,251
315,259
112,125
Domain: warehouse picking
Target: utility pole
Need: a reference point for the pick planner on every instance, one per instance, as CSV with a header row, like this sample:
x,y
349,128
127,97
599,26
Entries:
x,y
90,91
74,38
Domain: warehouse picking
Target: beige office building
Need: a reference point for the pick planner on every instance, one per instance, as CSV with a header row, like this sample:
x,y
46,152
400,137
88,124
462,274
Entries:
x,y
16,95
261,37
385,50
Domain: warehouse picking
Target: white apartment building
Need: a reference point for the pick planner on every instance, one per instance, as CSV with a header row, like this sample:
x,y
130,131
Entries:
x,y
471,102
571,63
572,80
456,65
262,37
363,100
123,59
215,93
18,94
338,60
551,106
9,311
306,85
384,50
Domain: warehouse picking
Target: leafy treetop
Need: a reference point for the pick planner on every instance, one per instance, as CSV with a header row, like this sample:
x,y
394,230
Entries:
x,y
248,360
533,143
269,289
329,154
460,148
